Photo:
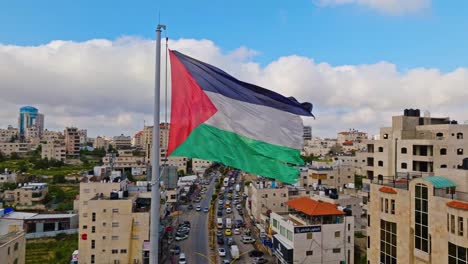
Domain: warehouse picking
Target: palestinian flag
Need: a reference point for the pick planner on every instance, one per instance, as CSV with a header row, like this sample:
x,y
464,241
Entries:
x,y
219,118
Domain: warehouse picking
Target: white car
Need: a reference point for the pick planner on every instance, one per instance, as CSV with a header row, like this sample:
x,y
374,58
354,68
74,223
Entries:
x,y
179,238
238,207
220,202
198,208
247,240
237,231
221,252
228,210
182,259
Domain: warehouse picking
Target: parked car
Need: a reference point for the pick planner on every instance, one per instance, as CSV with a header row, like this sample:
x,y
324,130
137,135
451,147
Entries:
x,y
182,259
227,232
237,231
220,213
182,237
221,252
190,207
220,241
247,240
230,241
228,210
175,250
219,233
239,207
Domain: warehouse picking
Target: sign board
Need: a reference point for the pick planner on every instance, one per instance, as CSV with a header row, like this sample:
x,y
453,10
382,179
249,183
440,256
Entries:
x,y
307,229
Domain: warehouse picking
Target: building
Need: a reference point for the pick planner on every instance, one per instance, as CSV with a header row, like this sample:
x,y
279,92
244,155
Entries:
x,y
32,133
351,135
138,140
72,141
52,136
19,148
12,242
307,135
199,165
121,142
101,142
318,146
335,174
9,134
415,145
83,133
54,150
312,231
7,176
114,223
126,162
30,116
419,220
40,225
27,195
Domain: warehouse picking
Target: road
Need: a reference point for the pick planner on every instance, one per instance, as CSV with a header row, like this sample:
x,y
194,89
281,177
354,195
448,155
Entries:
x,y
198,238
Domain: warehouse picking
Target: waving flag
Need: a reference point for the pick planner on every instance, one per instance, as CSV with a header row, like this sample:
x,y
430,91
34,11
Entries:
x,y
219,118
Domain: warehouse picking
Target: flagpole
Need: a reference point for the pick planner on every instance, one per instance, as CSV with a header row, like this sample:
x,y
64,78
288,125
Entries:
x,y
155,193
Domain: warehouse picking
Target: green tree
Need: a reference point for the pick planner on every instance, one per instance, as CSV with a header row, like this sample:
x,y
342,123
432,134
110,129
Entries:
x,y
9,186
23,166
14,156
59,179
2,157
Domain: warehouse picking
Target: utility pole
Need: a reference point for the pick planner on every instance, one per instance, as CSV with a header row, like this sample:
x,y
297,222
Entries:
x,y
155,194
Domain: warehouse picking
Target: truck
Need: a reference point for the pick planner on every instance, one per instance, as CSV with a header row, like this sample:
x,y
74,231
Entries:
x,y
220,224
235,252
237,187
228,223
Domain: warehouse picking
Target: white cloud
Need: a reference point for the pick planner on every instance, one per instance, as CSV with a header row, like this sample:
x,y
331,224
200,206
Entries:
x,y
391,7
107,86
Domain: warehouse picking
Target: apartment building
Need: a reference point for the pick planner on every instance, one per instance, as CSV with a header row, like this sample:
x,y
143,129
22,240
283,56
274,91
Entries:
x,y
318,146
266,196
83,133
28,194
31,133
8,134
415,145
52,136
125,161
72,141
101,142
307,133
114,223
121,142
199,165
12,241
336,174
138,140
7,176
312,231
423,220
54,150
19,148
351,135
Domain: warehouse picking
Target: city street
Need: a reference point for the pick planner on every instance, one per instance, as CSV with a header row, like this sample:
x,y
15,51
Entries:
x,y
196,247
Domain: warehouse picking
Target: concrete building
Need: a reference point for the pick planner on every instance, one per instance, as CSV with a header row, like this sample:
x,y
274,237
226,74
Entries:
x,y
72,141
54,150
29,194
13,247
415,145
7,176
307,135
101,142
83,133
138,140
126,161
30,116
351,135
421,220
318,146
311,231
9,134
32,133
335,174
121,142
114,223
19,148
52,136
199,165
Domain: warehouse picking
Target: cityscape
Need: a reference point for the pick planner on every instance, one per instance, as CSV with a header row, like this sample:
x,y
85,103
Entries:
x,y
196,148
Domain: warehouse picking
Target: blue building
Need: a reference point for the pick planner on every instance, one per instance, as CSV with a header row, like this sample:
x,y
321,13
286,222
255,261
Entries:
x,y
30,116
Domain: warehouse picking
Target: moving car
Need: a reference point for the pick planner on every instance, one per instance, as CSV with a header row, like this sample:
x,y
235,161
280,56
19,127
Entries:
x,y
220,202
182,237
237,231
190,207
247,240
228,210
198,208
182,259
219,233
205,210
227,232
220,213
221,252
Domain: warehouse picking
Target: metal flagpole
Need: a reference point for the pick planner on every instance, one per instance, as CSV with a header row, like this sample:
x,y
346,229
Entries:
x,y
155,195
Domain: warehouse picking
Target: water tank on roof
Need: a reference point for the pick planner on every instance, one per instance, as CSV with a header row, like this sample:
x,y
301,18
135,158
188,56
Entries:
x,y
120,194
114,196
417,113
348,212
125,193
454,122
406,112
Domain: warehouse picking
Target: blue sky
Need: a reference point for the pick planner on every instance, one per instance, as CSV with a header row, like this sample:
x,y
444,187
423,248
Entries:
x,y
344,34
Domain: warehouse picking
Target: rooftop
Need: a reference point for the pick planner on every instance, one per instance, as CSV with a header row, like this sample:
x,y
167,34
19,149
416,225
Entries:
x,y
440,182
313,208
8,237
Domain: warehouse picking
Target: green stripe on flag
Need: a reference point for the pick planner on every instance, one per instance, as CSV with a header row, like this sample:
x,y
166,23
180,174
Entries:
x,y
253,156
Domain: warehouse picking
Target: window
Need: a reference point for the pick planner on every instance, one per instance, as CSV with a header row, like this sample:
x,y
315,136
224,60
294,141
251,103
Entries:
x,y
421,233
337,250
460,226
380,149
275,223
309,235
385,136
85,214
381,204
15,261
115,224
93,217
392,206
93,244
289,235
380,163
92,259
115,237
85,227
452,224
448,222
349,227
368,241
443,151
103,237
337,234
460,151
349,239
443,166
404,150
16,246
93,229
309,253
388,240
115,251
368,220
123,251
457,254
386,206
404,165
459,135
115,210
135,237
439,135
